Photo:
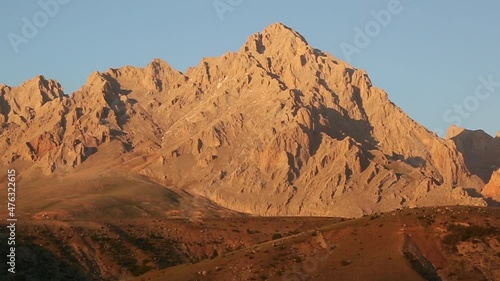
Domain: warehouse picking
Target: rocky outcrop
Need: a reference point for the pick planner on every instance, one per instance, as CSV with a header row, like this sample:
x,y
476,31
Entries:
x,y
492,189
481,151
277,128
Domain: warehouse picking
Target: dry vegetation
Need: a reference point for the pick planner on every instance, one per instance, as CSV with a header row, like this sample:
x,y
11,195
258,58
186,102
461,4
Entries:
x,y
449,243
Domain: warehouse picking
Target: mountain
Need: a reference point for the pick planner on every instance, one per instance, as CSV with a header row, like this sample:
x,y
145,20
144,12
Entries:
x,y
480,150
492,189
276,128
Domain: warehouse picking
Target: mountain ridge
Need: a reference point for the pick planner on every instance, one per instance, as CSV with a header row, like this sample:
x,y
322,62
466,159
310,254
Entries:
x,y
276,128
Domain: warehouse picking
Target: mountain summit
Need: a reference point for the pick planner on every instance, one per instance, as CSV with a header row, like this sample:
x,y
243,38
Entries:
x,y
277,39
277,128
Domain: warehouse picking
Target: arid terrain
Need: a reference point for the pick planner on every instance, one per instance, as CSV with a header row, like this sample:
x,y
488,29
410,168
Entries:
x,y
275,162
440,243
449,243
278,128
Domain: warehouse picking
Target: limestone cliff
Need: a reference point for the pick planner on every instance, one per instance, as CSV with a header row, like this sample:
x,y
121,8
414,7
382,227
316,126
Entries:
x,y
277,128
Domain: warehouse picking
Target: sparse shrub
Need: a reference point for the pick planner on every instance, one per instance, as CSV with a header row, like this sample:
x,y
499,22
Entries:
x,y
132,240
138,270
94,237
250,231
153,235
297,259
276,236
459,233
345,262
215,254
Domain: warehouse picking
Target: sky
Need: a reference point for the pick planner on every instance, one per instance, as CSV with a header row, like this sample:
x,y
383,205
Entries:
x,y
438,60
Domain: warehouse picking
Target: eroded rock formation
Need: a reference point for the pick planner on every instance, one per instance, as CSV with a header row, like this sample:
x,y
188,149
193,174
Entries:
x,y
277,128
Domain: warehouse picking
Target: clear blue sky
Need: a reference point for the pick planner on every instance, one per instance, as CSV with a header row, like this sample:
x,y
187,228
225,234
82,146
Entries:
x,y
428,58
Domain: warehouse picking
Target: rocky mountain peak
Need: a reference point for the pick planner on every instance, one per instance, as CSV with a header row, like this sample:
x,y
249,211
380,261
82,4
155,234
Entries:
x,y
280,32
278,128
160,75
480,150
453,131
275,41
492,189
38,91
23,103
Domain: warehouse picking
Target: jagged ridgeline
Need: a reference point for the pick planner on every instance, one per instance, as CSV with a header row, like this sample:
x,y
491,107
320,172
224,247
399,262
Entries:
x,y
277,128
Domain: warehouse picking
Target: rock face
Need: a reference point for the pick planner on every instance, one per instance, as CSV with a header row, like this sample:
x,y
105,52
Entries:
x,y
481,151
277,128
492,189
